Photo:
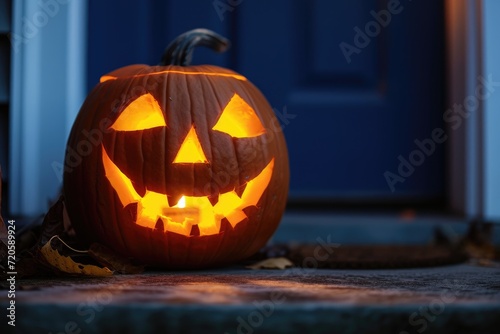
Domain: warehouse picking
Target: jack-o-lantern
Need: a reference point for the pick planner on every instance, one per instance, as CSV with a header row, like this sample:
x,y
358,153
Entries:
x,y
177,165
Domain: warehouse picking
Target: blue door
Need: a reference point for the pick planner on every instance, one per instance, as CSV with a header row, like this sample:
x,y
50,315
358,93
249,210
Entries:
x,y
358,85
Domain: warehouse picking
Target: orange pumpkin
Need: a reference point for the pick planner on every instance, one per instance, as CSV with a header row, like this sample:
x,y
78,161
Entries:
x,y
176,165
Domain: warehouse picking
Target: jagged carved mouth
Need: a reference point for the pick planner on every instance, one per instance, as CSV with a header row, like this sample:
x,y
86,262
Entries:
x,y
189,211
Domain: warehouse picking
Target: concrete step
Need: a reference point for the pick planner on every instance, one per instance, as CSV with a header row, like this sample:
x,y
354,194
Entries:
x,y
451,299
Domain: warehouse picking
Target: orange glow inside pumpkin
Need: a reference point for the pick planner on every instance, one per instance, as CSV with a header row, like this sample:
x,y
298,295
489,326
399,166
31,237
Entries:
x,y
143,113
189,210
215,74
191,150
239,120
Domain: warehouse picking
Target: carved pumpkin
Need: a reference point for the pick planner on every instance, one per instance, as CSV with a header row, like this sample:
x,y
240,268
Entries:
x,y
177,165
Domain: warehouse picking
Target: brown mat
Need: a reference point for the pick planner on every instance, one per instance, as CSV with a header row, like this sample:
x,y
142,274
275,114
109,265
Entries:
x,y
369,256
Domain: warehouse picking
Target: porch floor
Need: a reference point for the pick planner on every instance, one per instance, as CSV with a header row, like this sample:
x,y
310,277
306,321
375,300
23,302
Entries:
x,y
449,299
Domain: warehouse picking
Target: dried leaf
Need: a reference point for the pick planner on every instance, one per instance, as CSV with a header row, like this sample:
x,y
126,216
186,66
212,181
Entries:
x,y
478,244
479,251
485,263
118,263
273,263
67,265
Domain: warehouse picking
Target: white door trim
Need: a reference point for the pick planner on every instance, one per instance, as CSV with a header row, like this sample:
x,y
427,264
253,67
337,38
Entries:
x,y
491,120
472,61
48,86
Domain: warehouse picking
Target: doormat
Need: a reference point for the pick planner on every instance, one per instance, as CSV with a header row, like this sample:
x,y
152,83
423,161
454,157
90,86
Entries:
x,y
367,256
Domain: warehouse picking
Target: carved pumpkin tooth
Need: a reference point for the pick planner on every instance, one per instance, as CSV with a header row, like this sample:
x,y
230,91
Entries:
x,y
239,190
140,189
131,209
173,200
159,225
195,231
214,199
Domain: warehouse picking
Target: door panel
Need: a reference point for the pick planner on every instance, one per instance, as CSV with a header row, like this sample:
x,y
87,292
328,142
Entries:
x,y
351,119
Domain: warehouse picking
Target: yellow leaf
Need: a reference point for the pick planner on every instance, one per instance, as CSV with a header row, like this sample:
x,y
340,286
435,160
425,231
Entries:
x,y
67,265
273,263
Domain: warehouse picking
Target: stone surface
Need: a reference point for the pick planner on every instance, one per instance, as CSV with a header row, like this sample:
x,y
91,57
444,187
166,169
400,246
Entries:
x,y
453,299
448,299
365,227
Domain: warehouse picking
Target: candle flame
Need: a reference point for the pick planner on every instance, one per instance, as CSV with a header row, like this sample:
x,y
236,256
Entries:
x,y
182,203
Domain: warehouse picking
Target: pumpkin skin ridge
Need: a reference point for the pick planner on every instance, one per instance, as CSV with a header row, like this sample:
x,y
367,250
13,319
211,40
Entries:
x,y
250,90
215,254
115,224
264,199
94,169
235,245
230,249
211,140
116,206
192,121
242,181
283,150
210,135
221,107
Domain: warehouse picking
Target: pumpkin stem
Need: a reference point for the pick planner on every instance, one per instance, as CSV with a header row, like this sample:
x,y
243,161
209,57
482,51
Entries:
x,y
180,51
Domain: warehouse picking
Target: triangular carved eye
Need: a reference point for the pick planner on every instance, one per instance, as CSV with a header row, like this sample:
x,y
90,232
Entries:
x,y
143,113
191,150
239,120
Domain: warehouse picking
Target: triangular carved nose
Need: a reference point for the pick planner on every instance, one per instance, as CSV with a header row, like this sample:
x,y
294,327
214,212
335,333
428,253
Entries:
x,y
191,150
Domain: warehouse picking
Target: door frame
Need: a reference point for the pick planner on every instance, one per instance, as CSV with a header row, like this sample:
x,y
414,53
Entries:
x,y
473,186
33,182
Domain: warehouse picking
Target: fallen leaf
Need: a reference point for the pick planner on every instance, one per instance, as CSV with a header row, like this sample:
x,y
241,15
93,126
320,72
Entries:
x,y
118,263
479,251
273,263
67,265
485,263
